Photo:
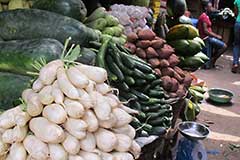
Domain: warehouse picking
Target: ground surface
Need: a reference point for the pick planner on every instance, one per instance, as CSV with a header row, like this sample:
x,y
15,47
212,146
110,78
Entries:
x,y
224,121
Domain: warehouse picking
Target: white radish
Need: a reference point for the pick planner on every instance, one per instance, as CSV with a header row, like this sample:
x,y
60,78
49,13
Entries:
x,y
76,77
90,87
37,85
35,147
89,156
88,144
110,123
128,110
2,130
97,74
57,152
57,94
3,148
46,131
86,100
34,105
26,93
124,143
106,156
113,100
17,152
73,108
65,85
45,95
135,149
7,118
91,120
49,72
123,117
103,88
55,113
76,127
17,134
75,157
21,118
106,140
122,156
71,144
126,129
101,108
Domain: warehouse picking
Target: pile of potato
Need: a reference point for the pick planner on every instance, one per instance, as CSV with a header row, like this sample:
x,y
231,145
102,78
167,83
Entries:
x,y
68,114
14,4
154,50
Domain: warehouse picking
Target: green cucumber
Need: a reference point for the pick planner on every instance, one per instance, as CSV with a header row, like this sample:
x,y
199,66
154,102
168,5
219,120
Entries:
x,y
152,108
158,122
155,115
18,56
136,123
147,127
23,24
100,62
158,131
11,88
140,82
135,105
141,116
156,82
128,62
122,86
156,93
140,95
143,67
138,74
152,101
129,80
146,88
112,77
128,95
150,77
114,68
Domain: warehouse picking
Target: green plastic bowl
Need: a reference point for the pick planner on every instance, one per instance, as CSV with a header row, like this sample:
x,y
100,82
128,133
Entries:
x,y
220,95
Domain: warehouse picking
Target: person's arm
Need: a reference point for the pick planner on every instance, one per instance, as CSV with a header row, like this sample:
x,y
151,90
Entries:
x,y
212,34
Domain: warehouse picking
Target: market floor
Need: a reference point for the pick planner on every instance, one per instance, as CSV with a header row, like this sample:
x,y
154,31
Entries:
x,y
224,121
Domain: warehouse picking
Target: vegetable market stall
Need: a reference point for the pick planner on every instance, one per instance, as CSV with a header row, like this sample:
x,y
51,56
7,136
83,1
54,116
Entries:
x,y
48,82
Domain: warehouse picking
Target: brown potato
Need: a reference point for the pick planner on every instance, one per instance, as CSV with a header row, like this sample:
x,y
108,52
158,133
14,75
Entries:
x,y
187,80
132,37
143,44
178,77
167,83
155,62
168,71
181,91
141,53
179,71
175,85
146,34
131,46
158,72
151,53
165,52
157,44
173,94
173,60
164,63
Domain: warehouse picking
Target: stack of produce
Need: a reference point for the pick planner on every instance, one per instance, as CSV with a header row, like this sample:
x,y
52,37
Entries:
x,y
184,38
69,113
71,8
109,25
35,24
161,56
14,4
131,17
138,85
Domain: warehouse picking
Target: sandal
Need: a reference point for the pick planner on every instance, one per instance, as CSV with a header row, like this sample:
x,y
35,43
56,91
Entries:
x,y
234,69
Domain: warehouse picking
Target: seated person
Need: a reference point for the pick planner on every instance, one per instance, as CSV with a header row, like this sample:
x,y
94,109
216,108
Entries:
x,y
212,40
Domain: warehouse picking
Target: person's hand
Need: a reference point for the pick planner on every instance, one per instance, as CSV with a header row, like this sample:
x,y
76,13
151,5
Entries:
x,y
219,37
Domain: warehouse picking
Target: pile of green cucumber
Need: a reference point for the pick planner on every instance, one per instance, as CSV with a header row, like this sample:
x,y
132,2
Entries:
x,y
139,86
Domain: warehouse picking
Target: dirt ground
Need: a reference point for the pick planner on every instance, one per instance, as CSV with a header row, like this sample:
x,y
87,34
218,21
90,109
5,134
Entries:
x,y
223,121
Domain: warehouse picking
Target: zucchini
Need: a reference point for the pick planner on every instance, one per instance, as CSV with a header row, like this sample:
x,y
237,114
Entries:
x,y
158,88
158,131
135,105
23,24
129,80
155,115
156,93
152,101
151,77
140,95
158,122
138,74
143,67
156,82
101,55
71,8
141,116
127,61
11,88
19,55
152,108
135,123
112,77
128,95
140,82
114,68
146,88
147,127
122,86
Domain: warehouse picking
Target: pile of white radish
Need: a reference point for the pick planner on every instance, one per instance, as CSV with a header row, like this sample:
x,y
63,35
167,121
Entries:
x,y
70,114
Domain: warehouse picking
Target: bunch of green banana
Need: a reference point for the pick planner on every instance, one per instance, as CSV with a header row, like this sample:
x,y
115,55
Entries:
x,y
109,25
